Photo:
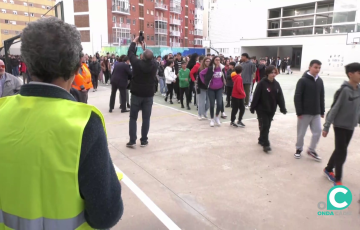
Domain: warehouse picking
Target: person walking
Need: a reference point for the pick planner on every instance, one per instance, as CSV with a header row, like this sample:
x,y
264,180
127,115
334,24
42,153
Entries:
x,y
229,83
161,77
170,80
310,108
267,96
105,66
288,65
190,65
203,102
142,91
14,62
62,175
177,67
9,84
247,73
278,64
344,115
119,81
237,97
95,69
214,78
184,79
283,65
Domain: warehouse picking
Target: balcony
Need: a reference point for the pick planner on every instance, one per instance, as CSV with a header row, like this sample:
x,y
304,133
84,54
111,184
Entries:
x,y
120,10
175,44
175,22
175,33
160,31
161,43
160,6
121,40
175,9
121,25
198,33
161,19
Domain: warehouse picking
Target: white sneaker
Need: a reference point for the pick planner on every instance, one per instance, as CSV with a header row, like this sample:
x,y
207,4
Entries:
x,y
212,123
199,118
107,84
217,121
203,118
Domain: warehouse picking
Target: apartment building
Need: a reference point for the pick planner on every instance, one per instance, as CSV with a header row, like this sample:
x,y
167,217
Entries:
x,y
15,15
173,23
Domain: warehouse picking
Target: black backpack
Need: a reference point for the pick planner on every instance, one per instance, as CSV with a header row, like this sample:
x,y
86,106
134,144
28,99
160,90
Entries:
x,y
336,96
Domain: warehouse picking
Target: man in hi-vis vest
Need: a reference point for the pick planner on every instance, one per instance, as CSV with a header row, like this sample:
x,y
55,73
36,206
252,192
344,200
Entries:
x,y
55,168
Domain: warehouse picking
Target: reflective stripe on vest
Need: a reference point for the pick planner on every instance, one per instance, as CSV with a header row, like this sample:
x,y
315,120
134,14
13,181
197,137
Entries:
x,y
16,222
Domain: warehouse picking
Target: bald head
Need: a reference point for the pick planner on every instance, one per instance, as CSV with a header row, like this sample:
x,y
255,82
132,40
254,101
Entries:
x,y
148,55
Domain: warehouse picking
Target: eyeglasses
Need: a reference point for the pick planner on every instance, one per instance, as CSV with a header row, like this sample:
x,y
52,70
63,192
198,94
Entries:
x,y
2,66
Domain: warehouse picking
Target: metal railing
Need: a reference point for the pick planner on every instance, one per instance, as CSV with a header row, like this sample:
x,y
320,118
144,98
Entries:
x,y
161,43
175,9
160,31
119,9
175,33
161,19
175,22
121,25
175,44
161,6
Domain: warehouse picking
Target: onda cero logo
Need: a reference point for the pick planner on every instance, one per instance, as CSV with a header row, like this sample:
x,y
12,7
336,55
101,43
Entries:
x,y
338,198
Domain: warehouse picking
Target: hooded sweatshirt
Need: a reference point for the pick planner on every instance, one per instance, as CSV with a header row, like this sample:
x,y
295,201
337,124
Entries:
x,y
238,90
212,76
346,111
249,69
169,75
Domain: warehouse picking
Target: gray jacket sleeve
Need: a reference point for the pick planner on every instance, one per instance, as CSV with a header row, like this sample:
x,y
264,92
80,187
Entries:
x,y
330,117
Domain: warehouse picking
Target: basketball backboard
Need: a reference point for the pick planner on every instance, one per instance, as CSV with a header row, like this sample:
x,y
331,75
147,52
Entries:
x,y
353,38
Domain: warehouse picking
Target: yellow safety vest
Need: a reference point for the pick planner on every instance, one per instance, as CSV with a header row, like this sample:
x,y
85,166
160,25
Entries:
x,y
40,144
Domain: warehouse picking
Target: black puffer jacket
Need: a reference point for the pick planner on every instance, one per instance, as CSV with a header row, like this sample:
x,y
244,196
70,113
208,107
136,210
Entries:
x,y
309,96
229,81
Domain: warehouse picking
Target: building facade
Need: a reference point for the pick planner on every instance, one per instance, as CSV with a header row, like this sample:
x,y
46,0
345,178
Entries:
x,y
173,23
15,15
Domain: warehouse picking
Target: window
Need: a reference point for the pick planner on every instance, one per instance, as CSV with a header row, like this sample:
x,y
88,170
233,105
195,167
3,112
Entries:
x,y
141,25
30,4
186,32
148,37
5,1
340,17
25,3
26,13
17,32
43,7
128,21
152,38
7,21
15,12
141,1
48,7
147,11
141,11
11,1
114,19
134,22
273,33
236,50
6,31
157,13
186,22
151,25
295,32
133,8
121,20
152,12
162,14
148,25
31,14
13,22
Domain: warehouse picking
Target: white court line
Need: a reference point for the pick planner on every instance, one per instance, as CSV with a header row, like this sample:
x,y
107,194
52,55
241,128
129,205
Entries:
x,y
148,202
175,109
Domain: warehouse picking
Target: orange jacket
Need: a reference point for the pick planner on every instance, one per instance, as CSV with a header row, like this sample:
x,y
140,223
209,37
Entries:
x,y
83,79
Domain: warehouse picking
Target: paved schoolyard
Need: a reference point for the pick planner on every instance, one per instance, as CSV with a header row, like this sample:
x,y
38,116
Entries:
x,y
219,178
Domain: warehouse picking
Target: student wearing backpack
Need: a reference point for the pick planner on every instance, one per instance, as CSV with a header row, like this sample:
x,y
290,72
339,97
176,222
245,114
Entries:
x,y
344,115
310,108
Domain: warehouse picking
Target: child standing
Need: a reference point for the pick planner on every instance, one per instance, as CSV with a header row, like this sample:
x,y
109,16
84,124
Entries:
x,y
184,79
267,96
237,97
344,115
170,79
229,83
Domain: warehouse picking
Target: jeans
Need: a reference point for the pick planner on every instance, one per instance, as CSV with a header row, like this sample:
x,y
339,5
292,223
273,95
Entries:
x,y
265,119
170,90
203,103
289,69
162,85
15,71
186,92
229,90
215,94
145,105
337,159
316,129
236,105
